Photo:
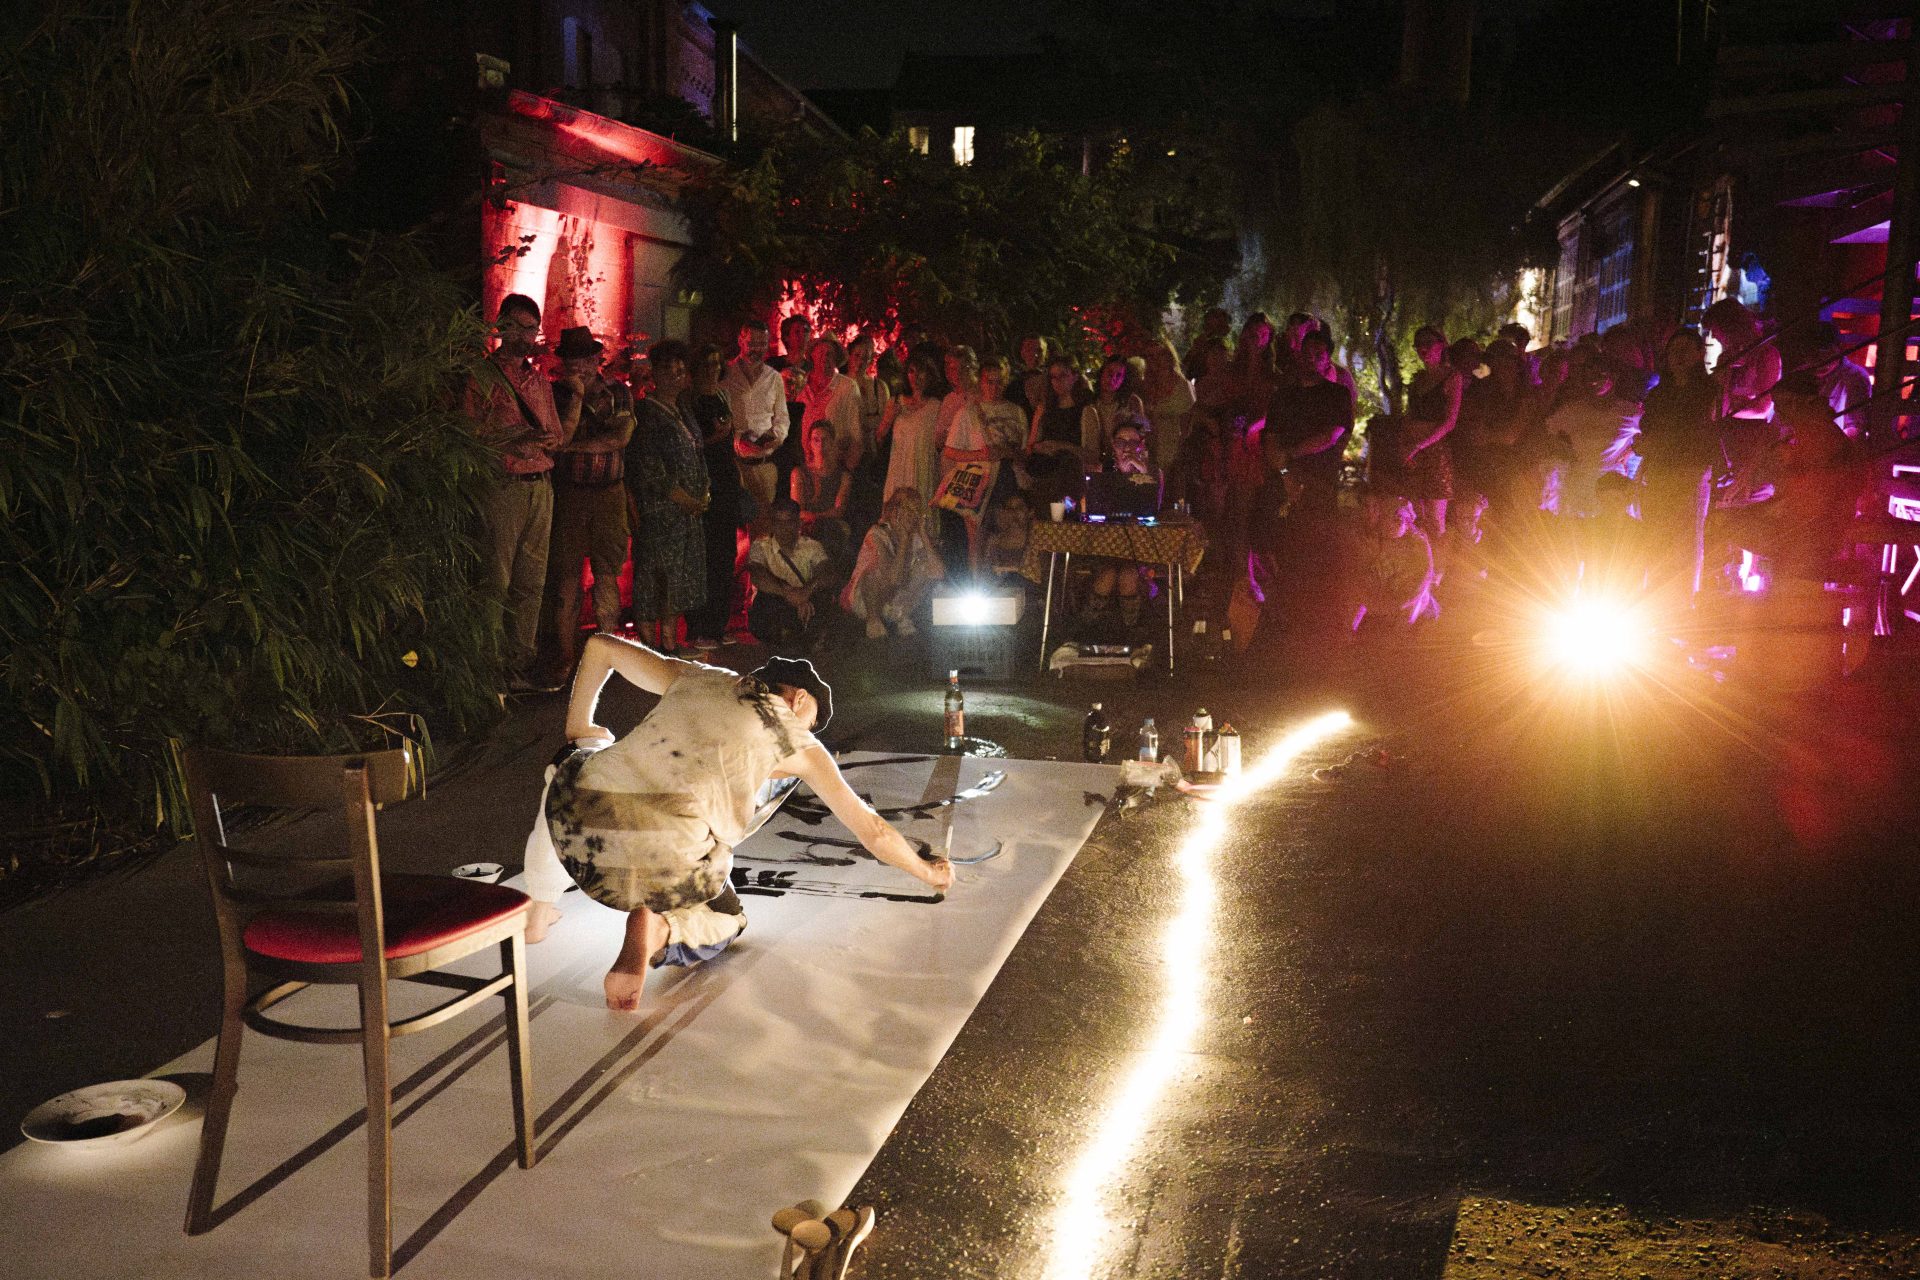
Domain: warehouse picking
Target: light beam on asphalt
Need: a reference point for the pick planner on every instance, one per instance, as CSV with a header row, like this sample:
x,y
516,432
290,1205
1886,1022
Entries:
x,y
1085,1228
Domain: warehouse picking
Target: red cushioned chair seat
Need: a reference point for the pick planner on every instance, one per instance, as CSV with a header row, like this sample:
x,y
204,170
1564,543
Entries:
x,y
422,912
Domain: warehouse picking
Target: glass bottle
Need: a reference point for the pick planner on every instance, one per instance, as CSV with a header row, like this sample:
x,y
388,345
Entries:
x,y
956,708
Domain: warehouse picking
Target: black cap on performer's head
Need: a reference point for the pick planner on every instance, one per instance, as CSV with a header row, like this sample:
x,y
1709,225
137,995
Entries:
x,y
798,673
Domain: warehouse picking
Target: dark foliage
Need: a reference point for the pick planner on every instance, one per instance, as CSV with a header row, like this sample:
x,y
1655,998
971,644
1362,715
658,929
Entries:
x,y
235,498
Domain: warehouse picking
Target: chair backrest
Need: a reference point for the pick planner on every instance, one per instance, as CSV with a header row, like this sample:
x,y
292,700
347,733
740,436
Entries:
x,y
353,785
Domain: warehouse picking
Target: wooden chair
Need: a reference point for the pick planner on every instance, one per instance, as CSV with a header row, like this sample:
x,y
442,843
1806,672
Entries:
x,y
365,930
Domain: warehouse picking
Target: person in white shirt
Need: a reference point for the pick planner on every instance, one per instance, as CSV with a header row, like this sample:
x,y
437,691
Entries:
x,y
647,824
789,570
758,401
1602,428
896,569
1844,385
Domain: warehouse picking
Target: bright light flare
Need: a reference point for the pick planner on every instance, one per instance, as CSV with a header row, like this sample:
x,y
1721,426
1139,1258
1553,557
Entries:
x,y
1084,1230
1596,637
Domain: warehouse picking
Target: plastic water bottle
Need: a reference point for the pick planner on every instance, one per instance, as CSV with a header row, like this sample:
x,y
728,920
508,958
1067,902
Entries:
x,y
1096,736
956,712
1149,749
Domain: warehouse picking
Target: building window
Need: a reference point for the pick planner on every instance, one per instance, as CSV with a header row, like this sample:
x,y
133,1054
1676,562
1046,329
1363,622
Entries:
x,y
576,41
920,139
1613,266
963,144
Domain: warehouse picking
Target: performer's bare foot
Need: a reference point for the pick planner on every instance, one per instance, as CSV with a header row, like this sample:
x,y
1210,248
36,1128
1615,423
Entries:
x,y
627,980
543,917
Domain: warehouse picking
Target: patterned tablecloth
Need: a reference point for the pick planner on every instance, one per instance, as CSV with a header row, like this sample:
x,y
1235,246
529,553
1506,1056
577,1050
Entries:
x,y
1183,544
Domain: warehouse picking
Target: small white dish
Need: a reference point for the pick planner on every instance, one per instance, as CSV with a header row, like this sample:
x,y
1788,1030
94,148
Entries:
x,y
489,872
103,1115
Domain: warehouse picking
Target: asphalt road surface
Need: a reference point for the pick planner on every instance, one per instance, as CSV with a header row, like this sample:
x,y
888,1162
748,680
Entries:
x,y
1520,983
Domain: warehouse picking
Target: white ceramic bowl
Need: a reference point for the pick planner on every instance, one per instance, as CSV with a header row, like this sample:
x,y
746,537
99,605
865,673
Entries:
x,y
103,1115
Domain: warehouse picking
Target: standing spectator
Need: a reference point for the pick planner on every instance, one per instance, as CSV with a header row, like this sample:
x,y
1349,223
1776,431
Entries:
x,y
1309,417
870,477
1028,385
1748,369
1231,407
589,500
1168,399
962,368
1112,403
1844,386
1522,339
796,338
1005,423
511,404
758,401
1294,539
831,398
1210,348
1601,428
911,433
1054,461
1496,417
1292,334
668,479
896,570
950,532
791,573
987,431
1680,440
1422,466
707,409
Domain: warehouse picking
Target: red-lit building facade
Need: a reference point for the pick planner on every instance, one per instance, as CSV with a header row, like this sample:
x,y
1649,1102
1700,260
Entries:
x,y
579,123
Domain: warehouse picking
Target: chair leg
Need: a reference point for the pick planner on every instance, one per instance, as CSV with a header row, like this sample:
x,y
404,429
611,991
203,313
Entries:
x,y
213,1129
374,1040
513,958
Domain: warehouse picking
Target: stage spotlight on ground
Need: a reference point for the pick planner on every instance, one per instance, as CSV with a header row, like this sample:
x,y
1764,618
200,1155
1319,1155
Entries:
x,y
1596,638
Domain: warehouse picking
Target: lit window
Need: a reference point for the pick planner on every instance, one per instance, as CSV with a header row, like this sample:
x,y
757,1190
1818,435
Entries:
x,y
963,144
920,139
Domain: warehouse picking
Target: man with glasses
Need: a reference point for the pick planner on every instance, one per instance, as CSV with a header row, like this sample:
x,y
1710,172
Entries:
x,y
511,404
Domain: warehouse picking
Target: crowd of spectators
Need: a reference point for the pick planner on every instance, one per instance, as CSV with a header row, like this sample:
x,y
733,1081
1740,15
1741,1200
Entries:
x,y
782,490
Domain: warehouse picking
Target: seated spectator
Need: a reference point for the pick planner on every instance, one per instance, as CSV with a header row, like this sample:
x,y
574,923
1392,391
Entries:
x,y
822,489
896,569
1008,526
789,570
1615,551
1121,580
1393,570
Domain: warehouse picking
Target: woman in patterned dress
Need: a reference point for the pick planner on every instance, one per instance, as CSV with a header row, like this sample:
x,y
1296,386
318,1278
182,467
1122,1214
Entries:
x,y
667,476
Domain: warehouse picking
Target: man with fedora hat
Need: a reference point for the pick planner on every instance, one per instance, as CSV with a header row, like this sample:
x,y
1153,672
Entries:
x,y
646,824
589,494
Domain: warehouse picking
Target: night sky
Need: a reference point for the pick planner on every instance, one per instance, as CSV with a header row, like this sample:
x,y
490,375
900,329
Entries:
x,y
857,44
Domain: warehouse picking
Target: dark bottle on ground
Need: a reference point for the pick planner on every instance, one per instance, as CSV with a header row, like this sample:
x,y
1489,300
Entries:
x,y
1096,736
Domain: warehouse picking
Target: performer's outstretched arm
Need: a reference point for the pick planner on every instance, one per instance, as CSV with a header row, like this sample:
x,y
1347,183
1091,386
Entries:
x,y
816,768
604,655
